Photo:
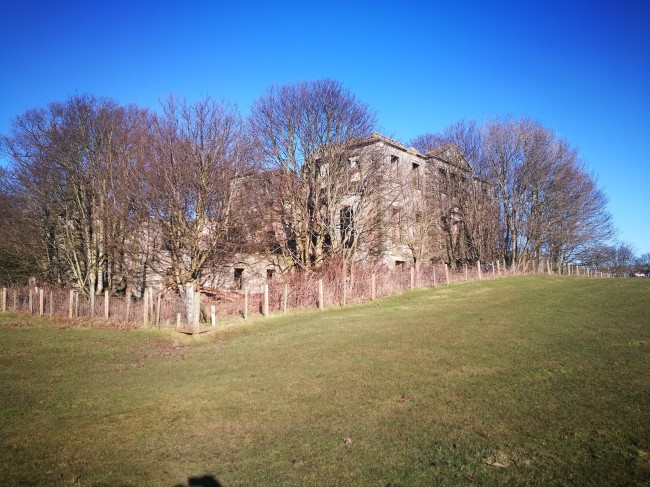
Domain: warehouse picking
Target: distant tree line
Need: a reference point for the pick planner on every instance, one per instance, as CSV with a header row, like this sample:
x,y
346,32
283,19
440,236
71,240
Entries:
x,y
99,195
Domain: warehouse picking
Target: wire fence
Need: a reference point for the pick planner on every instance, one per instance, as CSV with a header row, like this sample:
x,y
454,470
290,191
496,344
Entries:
x,y
164,308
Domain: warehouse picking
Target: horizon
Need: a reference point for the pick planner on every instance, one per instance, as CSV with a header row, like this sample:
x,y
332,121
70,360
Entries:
x,y
582,72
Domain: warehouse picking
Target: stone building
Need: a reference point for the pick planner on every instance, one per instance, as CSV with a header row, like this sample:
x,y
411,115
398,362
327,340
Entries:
x,y
412,212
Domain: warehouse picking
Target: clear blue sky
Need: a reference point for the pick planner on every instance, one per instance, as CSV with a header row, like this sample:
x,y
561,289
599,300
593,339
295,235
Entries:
x,y
582,69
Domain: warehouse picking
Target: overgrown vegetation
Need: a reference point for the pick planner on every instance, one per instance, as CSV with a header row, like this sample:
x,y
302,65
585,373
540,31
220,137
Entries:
x,y
530,380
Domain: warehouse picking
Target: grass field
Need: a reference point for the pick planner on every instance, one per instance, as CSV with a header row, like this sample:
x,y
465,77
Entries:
x,y
519,381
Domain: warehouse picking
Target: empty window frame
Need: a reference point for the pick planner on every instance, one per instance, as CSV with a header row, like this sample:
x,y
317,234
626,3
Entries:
x,y
347,226
239,278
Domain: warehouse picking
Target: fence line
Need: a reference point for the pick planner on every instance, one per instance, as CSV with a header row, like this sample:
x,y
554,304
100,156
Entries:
x,y
295,292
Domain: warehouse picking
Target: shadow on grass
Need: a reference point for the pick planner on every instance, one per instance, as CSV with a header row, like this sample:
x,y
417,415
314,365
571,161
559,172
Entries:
x,y
205,481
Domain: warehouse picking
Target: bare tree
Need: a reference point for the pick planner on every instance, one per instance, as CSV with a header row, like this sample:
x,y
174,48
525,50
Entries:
x,y
19,237
460,201
197,151
311,136
64,160
549,203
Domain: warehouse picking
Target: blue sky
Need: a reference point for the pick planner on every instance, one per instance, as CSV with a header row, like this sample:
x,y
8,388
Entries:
x,y
580,68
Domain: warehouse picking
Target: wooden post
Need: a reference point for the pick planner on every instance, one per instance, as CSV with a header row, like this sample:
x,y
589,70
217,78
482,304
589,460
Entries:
x,y
4,299
71,305
145,307
446,274
246,303
76,304
41,301
51,303
158,306
107,305
285,298
321,305
265,304
466,274
434,276
31,301
178,321
373,287
15,300
480,273
412,278
213,316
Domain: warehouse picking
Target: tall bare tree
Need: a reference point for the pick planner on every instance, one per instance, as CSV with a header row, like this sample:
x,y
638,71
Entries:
x,y
197,151
65,159
311,136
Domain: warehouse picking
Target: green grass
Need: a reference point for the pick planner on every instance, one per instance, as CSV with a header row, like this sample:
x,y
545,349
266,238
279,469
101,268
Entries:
x,y
548,377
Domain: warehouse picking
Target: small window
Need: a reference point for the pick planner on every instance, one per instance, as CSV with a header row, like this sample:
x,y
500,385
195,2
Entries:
x,y
415,175
269,274
394,164
239,278
399,264
353,162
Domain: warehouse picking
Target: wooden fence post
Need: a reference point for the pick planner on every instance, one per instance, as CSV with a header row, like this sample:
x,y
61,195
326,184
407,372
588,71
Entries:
x,y
265,306
128,304
434,276
4,299
285,298
246,303
466,274
15,300
178,321
321,305
412,285
107,305
41,301
480,273
31,301
446,274
373,287
213,316
76,304
71,305
51,303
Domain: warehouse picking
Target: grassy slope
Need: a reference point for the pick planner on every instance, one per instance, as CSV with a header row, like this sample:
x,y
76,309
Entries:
x,y
546,376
